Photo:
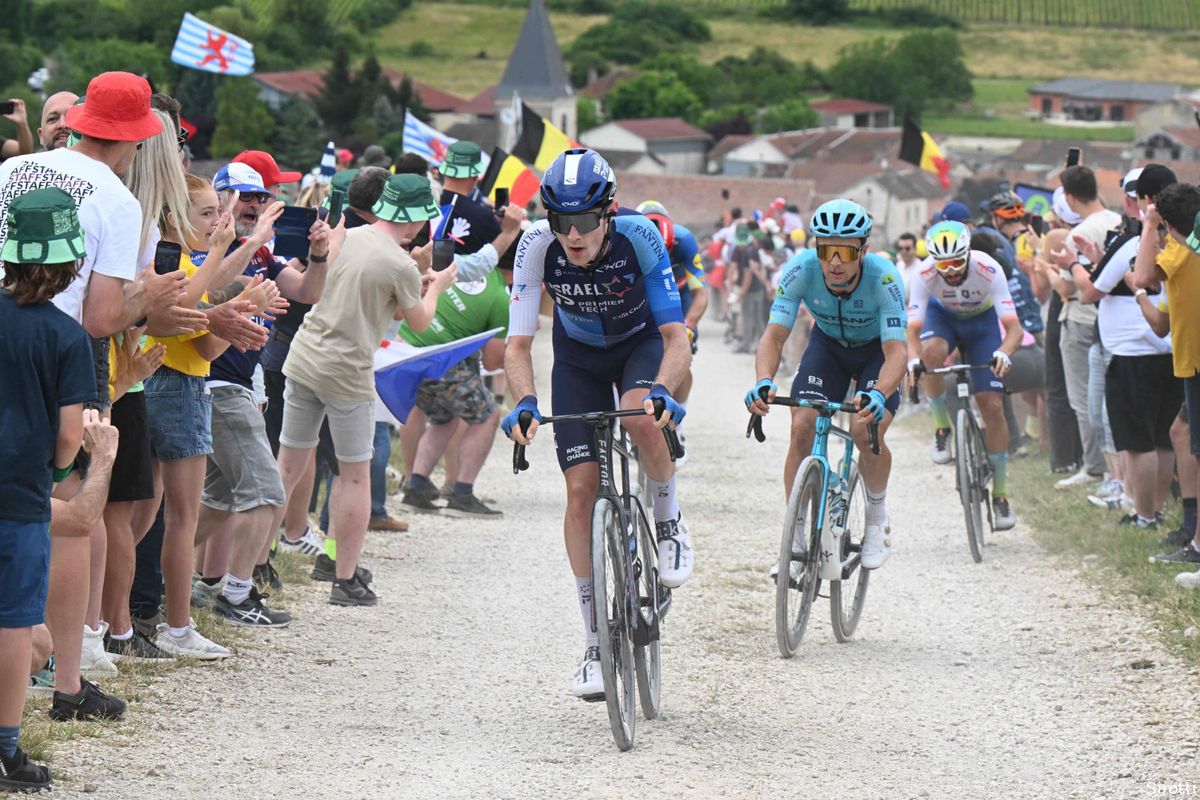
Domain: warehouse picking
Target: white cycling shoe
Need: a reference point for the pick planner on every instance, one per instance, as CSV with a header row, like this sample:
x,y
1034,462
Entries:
x,y
876,547
589,680
675,556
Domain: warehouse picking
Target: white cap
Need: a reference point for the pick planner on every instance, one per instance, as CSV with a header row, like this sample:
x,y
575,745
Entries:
x,y
1062,210
1129,182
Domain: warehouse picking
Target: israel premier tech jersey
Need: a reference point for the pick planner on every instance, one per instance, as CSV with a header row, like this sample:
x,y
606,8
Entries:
x,y
630,288
874,311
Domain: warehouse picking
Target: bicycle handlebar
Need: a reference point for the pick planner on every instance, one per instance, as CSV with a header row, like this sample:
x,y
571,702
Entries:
x,y
520,463
913,396
755,425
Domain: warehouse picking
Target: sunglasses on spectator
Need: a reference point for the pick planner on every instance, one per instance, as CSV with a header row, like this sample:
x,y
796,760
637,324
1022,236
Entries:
x,y
950,265
905,248
584,221
260,198
182,138
844,252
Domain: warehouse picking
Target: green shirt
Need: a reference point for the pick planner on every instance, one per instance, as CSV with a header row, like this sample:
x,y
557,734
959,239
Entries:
x,y
465,309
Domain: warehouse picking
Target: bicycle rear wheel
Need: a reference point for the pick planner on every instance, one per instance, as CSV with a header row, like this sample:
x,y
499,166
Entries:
x,y
798,580
612,588
647,658
848,596
968,445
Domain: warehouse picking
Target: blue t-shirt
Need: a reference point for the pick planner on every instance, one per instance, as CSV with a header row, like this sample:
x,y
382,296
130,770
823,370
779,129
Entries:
x,y
873,311
46,361
468,221
233,366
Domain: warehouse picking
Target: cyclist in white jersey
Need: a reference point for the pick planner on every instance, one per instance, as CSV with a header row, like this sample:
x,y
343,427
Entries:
x,y
959,299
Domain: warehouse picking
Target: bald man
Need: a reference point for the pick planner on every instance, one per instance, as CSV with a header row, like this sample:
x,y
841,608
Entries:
x,y
53,133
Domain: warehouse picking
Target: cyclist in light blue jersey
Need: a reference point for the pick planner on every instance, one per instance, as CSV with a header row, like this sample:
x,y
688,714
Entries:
x,y
857,302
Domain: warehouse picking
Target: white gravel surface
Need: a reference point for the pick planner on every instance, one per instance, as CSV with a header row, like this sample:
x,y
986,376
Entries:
x,y
1007,679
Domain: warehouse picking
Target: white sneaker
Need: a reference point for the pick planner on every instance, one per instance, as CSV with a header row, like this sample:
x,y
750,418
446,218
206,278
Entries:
x,y
675,555
94,659
1188,580
1081,478
876,547
205,596
190,645
941,447
588,680
309,544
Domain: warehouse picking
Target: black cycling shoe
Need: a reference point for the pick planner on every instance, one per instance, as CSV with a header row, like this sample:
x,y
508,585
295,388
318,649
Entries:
x,y
19,774
325,569
90,703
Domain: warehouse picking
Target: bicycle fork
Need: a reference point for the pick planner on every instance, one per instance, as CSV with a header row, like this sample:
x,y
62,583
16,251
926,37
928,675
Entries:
x,y
831,567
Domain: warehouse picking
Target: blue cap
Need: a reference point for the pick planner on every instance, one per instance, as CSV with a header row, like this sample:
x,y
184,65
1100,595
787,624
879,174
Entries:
x,y
241,177
956,212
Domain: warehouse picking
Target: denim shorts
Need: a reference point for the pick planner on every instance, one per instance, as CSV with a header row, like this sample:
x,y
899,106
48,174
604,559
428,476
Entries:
x,y
179,407
24,573
241,473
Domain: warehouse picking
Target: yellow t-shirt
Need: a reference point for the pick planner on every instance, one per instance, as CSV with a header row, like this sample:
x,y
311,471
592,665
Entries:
x,y
181,353
1182,267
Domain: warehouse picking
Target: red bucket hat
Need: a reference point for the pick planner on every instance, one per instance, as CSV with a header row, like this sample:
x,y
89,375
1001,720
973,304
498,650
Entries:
x,y
264,164
116,107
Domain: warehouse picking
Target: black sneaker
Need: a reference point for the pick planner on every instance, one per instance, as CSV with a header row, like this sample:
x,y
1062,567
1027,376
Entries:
x,y
422,500
1188,554
19,774
90,703
265,577
325,569
1176,539
136,648
468,505
148,626
351,593
251,612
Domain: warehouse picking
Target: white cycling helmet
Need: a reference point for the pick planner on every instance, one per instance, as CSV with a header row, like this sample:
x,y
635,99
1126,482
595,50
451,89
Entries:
x,y
949,241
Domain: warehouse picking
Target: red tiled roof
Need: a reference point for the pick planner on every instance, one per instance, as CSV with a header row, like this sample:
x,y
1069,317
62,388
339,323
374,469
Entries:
x,y
849,106
1187,136
729,143
599,88
855,144
309,83
696,200
832,178
482,104
661,128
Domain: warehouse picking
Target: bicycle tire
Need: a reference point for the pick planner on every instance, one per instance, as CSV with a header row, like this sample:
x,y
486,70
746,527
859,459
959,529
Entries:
x,y
610,596
848,596
968,444
647,659
792,612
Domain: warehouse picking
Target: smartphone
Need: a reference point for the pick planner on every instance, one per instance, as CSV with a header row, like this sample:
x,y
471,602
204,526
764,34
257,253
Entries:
x,y
291,231
166,257
501,201
1073,155
7,107
1037,224
337,199
443,254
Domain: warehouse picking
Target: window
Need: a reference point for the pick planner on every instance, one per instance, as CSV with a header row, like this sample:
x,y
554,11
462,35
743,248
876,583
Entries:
x,y
1116,113
862,120
1047,105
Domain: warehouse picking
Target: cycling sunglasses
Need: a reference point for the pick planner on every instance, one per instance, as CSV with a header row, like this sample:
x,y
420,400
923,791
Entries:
x,y
845,252
950,265
584,221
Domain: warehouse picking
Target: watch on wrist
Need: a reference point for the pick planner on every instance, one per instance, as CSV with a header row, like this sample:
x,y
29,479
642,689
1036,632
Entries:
x,y
318,259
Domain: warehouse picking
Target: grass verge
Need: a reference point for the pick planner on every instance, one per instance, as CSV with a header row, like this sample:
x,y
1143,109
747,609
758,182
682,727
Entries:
x,y
1021,128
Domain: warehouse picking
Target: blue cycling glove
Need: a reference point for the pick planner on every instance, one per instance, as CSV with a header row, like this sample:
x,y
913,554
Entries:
x,y
875,401
753,394
660,392
512,418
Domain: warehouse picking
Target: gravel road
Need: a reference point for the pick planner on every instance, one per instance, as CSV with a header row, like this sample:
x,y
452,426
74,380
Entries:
x,y
1009,679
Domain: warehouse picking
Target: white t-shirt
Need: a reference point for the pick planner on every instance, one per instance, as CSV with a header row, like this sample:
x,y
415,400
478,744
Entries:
x,y
984,287
1123,328
108,213
1095,227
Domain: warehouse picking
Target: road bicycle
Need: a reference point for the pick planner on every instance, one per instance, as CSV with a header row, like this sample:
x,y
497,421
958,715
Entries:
x,y
973,471
627,598
823,530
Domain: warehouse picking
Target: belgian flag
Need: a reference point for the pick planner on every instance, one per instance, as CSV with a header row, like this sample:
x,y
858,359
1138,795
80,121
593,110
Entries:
x,y
918,147
509,172
540,142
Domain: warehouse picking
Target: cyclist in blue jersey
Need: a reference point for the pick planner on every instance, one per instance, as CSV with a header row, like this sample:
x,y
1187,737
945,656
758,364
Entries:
x,y
617,321
857,301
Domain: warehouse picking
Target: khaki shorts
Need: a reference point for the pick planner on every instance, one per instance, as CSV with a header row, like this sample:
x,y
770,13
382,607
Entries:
x,y
351,422
241,472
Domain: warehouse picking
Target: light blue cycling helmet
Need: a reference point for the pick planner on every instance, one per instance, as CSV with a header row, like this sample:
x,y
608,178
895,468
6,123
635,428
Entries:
x,y
841,219
578,180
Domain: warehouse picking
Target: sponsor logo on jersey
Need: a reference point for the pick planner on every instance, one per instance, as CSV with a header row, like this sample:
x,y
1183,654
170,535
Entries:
x,y
886,279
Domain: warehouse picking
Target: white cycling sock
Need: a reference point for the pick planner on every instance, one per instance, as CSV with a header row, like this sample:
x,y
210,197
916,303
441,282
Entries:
x,y
666,507
876,508
236,590
583,588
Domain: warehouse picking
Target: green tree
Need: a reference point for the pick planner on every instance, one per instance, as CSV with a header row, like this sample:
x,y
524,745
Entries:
x,y
721,122
586,115
653,94
636,31
79,61
405,96
789,115
297,138
243,121
819,12
340,101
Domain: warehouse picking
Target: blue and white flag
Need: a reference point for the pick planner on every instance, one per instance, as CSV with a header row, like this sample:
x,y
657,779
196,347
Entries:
x,y
429,143
328,164
401,368
209,49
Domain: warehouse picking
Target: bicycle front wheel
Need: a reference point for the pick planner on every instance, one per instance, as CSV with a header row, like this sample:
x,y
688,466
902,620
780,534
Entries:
x,y
799,552
848,596
968,445
647,658
612,589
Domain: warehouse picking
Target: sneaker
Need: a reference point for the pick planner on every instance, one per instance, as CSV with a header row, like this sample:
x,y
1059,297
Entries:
x,y
675,556
387,523
1003,518
266,578
251,612
588,681
1188,580
876,547
41,683
148,626
468,505
941,446
89,703
352,592
422,500
1065,469
308,545
1132,519
203,595
1188,554
325,569
190,645
1107,495
92,659
1080,478
794,570
1176,539
19,774
137,648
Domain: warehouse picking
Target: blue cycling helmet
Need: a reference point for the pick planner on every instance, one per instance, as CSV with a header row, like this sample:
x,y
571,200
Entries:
x,y
578,180
841,219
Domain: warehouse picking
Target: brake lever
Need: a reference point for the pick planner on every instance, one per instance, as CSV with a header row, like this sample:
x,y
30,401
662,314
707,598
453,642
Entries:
x,y
873,436
519,463
755,424
674,447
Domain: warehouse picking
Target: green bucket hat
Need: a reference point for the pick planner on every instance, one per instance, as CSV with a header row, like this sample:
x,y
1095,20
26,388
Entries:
x,y
1193,238
741,235
340,182
406,198
43,228
463,160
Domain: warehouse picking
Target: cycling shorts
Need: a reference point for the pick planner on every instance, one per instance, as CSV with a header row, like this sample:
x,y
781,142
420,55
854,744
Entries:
x,y
582,380
828,366
976,338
